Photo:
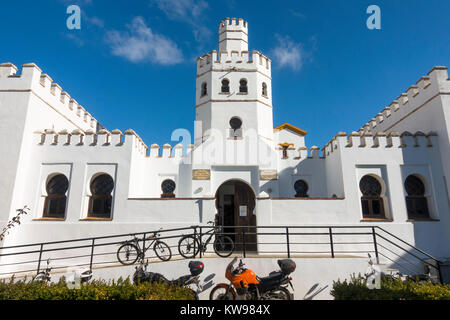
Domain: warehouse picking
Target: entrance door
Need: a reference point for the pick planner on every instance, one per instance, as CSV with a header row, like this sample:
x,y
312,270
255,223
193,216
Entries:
x,y
235,201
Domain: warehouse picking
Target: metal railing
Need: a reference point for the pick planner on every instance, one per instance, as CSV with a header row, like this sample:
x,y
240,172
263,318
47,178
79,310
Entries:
x,y
285,241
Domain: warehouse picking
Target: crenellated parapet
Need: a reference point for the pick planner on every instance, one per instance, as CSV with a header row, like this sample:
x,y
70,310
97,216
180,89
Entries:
x,y
106,139
416,96
365,140
31,79
89,138
236,60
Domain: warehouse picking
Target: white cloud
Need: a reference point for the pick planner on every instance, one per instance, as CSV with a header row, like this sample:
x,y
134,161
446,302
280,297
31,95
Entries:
x,y
288,53
95,21
191,12
184,10
141,44
297,14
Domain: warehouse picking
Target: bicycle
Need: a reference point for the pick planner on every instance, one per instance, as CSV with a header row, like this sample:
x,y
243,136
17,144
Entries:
x,y
190,245
130,251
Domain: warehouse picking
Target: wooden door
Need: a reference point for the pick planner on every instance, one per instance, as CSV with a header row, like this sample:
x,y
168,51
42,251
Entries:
x,y
244,216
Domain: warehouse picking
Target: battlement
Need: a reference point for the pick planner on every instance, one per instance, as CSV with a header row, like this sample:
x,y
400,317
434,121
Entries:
x,y
380,140
233,24
226,60
416,96
33,80
105,139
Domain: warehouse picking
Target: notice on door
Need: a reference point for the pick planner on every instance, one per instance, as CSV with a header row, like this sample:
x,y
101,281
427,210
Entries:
x,y
243,211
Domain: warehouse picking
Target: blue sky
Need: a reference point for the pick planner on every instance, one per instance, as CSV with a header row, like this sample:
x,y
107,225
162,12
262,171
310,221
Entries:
x,y
132,64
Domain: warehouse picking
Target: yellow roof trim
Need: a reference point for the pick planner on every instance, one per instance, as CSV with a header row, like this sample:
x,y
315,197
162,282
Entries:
x,y
290,127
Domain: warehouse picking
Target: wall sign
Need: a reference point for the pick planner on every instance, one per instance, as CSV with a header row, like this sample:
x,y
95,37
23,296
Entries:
x,y
243,211
268,175
201,174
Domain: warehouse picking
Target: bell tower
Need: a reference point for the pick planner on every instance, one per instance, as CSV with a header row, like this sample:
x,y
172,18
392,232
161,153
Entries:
x,y
233,35
234,88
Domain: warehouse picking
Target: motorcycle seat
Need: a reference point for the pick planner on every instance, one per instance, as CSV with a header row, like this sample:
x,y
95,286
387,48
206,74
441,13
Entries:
x,y
272,279
180,281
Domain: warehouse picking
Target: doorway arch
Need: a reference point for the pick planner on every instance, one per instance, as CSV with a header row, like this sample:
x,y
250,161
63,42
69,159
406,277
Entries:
x,y
235,204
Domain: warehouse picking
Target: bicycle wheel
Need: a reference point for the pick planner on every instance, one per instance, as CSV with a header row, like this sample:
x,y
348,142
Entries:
x,y
188,246
223,246
128,254
162,250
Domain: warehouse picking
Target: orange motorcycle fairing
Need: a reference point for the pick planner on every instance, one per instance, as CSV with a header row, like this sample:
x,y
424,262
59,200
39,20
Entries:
x,y
243,279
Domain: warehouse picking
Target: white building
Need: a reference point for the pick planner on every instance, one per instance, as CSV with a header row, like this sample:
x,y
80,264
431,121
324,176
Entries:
x,y
81,180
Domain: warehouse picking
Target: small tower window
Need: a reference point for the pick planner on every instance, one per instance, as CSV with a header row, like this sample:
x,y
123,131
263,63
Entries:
x,y
55,202
225,86
101,199
416,202
264,89
204,89
243,86
285,151
284,147
168,187
371,200
301,189
236,127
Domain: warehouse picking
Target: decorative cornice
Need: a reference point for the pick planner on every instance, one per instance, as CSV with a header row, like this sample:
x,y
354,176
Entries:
x,y
290,127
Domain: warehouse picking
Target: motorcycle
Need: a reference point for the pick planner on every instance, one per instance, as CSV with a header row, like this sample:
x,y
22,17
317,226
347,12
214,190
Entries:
x,y
196,268
245,284
421,278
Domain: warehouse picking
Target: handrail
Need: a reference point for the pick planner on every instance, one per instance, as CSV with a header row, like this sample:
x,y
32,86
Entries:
x,y
410,245
198,231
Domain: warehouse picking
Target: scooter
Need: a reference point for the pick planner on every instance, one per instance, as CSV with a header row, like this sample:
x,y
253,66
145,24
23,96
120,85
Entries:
x,y
196,268
43,276
246,285
425,277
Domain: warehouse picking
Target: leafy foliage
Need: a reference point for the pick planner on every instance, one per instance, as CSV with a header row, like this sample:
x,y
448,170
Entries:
x,y
94,290
391,289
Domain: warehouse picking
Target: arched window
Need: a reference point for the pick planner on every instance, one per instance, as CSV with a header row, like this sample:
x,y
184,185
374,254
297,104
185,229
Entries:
x,y
371,200
236,127
101,199
204,89
55,202
243,86
168,187
264,89
301,189
416,202
225,86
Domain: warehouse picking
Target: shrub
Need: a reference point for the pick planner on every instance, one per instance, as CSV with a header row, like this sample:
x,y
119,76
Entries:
x,y
391,289
94,290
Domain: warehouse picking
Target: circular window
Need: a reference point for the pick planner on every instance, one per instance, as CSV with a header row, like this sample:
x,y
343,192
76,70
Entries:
x,y
235,123
370,186
102,185
58,185
168,186
301,188
414,186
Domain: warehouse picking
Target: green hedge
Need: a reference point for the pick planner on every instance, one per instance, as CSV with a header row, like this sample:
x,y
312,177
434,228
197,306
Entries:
x,y
94,290
356,289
